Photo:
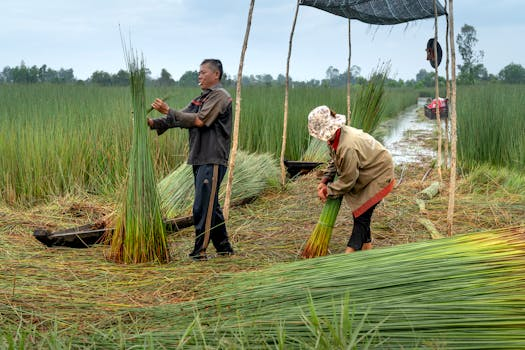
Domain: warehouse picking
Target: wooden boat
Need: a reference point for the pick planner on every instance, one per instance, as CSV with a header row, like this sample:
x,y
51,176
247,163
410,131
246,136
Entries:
x,y
430,109
297,168
88,235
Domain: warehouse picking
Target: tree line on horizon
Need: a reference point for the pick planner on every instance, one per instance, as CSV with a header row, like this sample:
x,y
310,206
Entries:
x,y
471,71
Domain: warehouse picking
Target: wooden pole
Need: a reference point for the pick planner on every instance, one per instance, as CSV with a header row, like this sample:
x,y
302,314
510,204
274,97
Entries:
x,y
452,114
447,70
287,83
436,87
349,76
235,141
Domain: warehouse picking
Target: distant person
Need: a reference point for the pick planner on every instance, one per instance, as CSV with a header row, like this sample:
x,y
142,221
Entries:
x,y
209,120
364,169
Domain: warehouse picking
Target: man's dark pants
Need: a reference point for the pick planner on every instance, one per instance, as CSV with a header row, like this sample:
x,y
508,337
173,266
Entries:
x,y
207,214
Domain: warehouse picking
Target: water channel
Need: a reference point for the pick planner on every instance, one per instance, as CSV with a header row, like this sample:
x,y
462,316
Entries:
x,y
405,135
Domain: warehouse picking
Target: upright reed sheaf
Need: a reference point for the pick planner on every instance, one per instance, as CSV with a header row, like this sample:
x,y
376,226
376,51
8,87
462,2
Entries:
x,y
140,234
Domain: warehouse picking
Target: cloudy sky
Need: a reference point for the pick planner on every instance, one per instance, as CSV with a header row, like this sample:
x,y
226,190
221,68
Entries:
x,y
178,34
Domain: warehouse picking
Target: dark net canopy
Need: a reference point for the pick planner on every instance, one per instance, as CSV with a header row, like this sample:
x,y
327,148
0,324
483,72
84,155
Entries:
x,y
378,11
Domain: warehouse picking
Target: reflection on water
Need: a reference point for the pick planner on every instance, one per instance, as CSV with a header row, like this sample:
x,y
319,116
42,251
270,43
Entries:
x,y
405,135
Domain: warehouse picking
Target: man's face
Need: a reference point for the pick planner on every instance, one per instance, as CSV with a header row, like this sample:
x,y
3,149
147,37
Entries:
x,y
207,77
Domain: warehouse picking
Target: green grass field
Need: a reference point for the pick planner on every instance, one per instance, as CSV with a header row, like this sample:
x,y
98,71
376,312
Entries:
x,y
64,153
60,139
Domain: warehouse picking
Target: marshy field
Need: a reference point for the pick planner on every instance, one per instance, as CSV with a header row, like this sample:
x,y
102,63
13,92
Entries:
x,y
64,155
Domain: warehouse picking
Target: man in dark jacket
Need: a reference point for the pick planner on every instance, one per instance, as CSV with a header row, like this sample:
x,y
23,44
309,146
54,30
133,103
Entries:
x,y
209,119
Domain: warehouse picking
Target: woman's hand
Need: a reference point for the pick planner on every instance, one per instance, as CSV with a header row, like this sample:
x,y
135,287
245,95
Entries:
x,y
322,191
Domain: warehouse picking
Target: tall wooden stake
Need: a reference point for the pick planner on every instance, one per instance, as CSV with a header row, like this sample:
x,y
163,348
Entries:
x,y
452,113
348,76
235,142
447,69
436,87
287,83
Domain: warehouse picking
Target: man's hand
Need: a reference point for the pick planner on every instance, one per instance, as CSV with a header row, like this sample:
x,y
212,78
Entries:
x,y
150,123
160,106
322,191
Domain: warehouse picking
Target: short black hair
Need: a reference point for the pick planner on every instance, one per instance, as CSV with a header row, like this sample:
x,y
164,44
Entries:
x,y
215,64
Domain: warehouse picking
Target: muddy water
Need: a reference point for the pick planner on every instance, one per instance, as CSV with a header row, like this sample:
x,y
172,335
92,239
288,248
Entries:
x,y
406,133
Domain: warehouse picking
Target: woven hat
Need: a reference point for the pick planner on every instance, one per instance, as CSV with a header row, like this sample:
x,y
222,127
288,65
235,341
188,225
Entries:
x,y
322,125
430,53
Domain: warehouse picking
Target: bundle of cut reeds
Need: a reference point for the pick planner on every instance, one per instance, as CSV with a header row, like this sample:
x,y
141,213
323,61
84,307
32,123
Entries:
x,y
317,244
253,174
463,292
317,151
140,234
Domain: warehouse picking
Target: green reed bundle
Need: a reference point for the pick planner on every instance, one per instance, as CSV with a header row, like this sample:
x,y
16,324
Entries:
x,y
140,235
253,174
463,292
369,106
317,244
317,151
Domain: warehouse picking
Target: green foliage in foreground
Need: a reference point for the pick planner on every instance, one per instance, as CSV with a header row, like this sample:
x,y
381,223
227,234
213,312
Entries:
x,y
464,292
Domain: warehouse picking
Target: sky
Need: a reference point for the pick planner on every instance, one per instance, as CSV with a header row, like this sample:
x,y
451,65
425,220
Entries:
x,y
178,34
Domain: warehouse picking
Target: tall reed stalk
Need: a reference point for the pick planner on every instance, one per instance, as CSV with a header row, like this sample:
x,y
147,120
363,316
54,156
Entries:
x,y
491,129
369,106
140,234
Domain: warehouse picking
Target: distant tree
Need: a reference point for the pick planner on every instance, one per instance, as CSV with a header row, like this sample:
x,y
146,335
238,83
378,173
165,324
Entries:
x,y
355,71
281,80
410,83
49,75
332,73
42,71
165,78
424,78
335,78
121,78
492,77
66,75
100,78
422,75
24,74
393,83
246,80
472,69
361,80
189,78
29,75
332,77
7,75
227,80
513,74
264,79
313,83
